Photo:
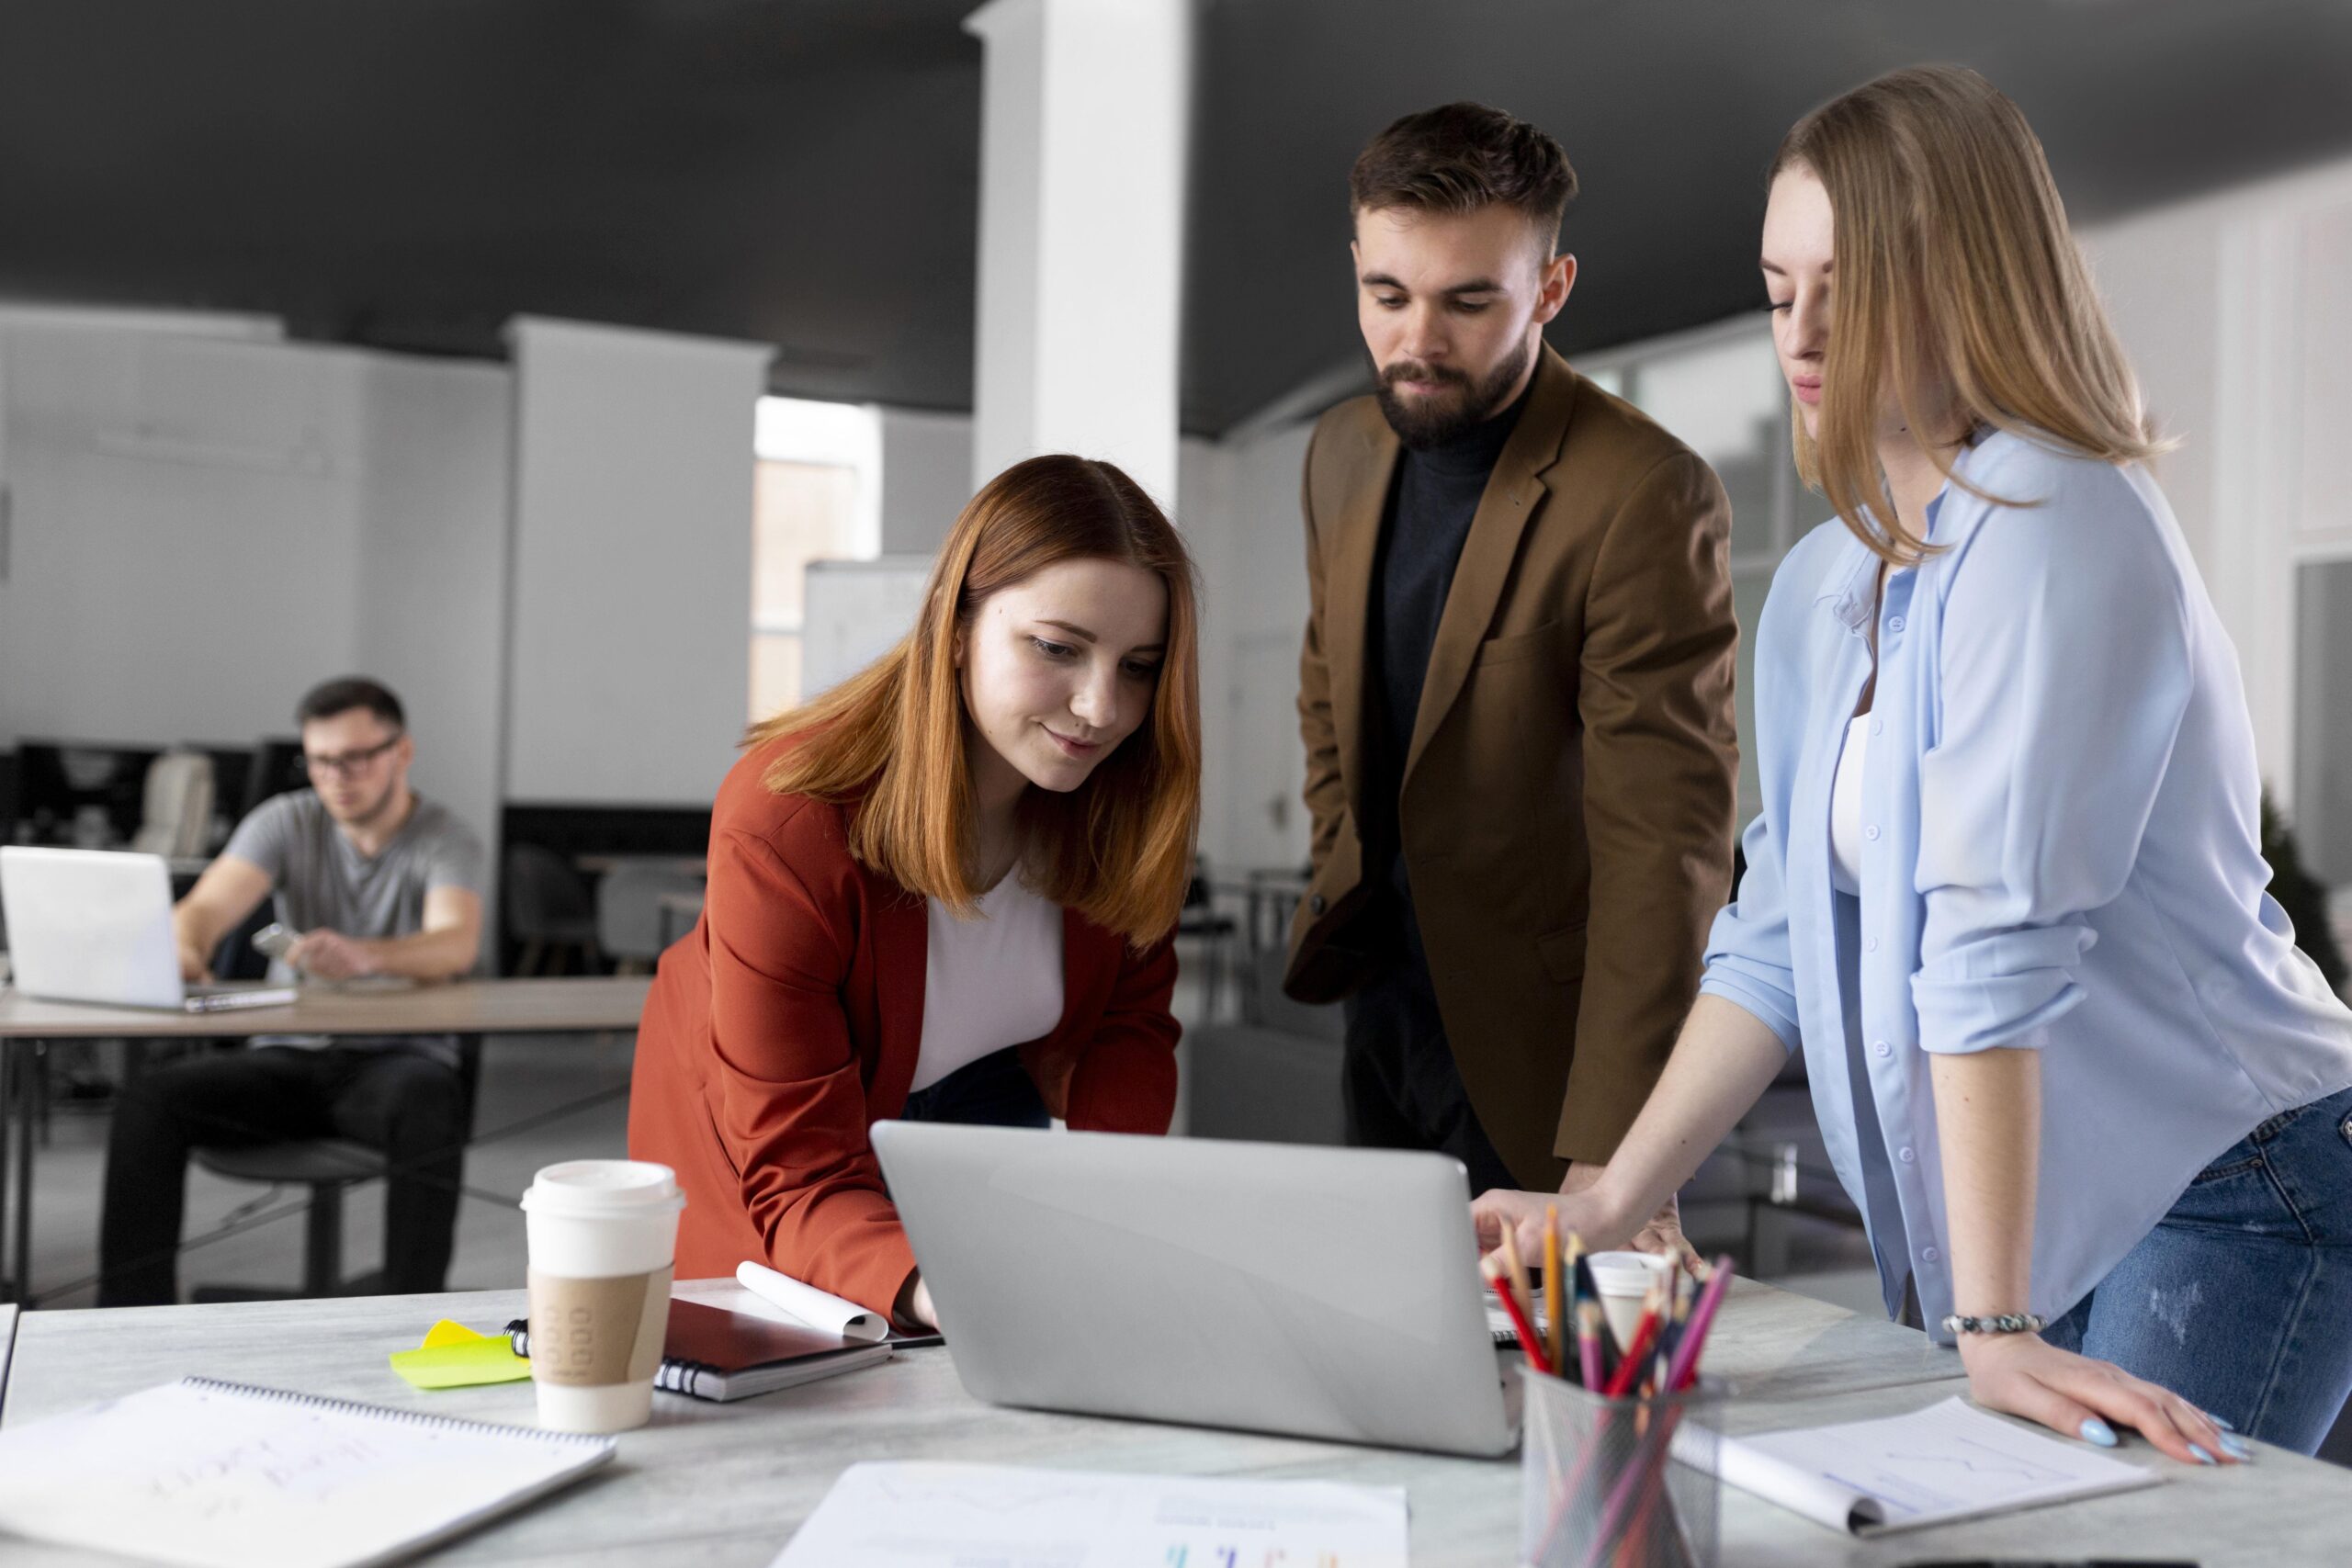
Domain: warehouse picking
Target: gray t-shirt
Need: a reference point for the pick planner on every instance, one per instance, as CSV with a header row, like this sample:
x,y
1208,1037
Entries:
x,y
320,879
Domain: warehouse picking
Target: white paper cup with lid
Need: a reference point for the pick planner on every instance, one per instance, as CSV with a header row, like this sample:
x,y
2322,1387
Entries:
x,y
1624,1282
603,1236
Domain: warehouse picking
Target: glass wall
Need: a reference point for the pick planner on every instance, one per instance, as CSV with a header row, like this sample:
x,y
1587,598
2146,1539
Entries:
x,y
1720,391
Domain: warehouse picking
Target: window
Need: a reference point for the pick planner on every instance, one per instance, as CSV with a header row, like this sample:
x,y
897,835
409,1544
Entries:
x,y
817,496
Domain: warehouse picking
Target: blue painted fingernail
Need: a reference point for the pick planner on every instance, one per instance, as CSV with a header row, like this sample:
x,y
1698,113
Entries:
x,y
2202,1457
2097,1431
2224,1425
2237,1448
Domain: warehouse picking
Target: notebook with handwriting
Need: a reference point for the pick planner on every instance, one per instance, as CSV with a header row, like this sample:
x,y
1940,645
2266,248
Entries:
x,y
223,1475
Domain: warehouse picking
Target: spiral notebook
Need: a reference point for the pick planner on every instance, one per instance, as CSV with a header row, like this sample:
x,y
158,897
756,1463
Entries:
x,y
1936,1466
708,1352
224,1475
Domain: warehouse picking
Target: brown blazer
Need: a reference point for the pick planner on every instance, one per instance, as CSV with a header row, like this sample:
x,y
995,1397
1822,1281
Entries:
x,y
1568,791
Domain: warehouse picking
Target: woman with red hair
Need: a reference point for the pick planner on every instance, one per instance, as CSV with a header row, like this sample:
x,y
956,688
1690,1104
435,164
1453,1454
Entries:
x,y
943,891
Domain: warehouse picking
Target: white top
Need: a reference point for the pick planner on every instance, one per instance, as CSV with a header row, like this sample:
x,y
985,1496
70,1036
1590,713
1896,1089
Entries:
x,y
1845,808
989,982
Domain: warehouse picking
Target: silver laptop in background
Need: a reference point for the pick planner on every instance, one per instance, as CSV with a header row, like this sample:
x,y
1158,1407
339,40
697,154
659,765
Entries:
x,y
96,926
1268,1287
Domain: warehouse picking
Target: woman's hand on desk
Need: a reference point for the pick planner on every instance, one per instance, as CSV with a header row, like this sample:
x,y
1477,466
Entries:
x,y
1661,1232
2026,1375
913,1306
1584,1209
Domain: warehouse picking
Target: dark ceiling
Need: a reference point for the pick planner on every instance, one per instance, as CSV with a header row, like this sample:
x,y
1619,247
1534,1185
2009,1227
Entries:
x,y
408,174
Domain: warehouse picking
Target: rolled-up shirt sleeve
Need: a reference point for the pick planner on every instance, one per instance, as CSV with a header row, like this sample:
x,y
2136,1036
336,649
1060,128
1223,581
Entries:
x,y
2064,665
1747,947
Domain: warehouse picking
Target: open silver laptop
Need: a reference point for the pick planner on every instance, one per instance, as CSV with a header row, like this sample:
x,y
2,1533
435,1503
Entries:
x,y
94,925
1270,1287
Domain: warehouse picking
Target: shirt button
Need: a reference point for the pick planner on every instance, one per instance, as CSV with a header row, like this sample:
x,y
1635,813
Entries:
x,y
1906,1156
1885,1051
1869,944
1870,832
1878,726
1895,623
1929,1255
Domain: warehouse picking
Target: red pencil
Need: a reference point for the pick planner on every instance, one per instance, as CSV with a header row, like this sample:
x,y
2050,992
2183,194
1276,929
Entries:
x,y
1492,1268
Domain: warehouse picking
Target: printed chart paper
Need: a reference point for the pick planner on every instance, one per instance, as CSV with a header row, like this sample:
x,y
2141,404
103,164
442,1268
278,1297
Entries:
x,y
942,1515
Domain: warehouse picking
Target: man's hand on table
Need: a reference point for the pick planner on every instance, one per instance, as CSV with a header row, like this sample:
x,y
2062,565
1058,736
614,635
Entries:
x,y
330,955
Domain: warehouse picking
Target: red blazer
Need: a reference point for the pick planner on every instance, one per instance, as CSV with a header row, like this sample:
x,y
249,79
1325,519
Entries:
x,y
788,1021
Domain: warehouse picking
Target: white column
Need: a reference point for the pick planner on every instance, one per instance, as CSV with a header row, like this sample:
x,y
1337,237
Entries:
x,y
628,646
1084,122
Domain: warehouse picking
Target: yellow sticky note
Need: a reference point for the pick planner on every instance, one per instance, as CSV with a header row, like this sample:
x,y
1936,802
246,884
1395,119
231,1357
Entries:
x,y
454,1356
447,1333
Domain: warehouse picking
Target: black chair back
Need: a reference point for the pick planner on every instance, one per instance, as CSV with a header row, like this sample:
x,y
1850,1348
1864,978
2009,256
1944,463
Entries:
x,y
544,895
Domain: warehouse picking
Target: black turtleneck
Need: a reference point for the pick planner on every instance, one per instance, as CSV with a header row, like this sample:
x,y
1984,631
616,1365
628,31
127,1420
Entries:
x,y
1435,497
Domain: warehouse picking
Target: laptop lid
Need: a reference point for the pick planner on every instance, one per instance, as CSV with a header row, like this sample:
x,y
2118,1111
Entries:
x,y
1269,1287
91,926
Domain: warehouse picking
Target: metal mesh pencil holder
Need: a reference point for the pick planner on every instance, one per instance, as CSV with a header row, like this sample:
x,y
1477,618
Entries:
x,y
1618,1483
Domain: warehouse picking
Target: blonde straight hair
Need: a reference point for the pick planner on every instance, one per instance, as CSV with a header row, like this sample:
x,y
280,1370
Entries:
x,y
891,741
1956,268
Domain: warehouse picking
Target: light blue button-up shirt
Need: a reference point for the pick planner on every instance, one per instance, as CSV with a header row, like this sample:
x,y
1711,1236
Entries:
x,y
2060,852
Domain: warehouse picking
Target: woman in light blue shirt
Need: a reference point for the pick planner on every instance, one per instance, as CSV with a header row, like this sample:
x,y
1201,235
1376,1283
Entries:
x,y
2006,892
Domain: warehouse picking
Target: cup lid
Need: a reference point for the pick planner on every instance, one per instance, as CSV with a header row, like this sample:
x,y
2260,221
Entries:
x,y
603,1186
1628,1273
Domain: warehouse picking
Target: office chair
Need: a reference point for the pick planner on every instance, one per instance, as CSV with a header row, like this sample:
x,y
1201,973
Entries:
x,y
632,923
1200,917
547,908
276,769
175,815
327,1166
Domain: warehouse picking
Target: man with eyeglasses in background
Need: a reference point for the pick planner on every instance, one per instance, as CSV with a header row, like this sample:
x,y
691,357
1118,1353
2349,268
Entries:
x,y
376,881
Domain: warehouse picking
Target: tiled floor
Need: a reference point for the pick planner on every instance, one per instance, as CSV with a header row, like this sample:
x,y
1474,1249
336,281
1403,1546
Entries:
x,y
524,1079
520,1125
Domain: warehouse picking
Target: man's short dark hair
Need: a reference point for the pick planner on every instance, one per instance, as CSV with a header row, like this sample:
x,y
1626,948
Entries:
x,y
1460,157
348,692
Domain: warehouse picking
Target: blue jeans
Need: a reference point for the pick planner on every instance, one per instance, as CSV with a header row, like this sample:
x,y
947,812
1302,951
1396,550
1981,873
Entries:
x,y
994,1091
2240,1299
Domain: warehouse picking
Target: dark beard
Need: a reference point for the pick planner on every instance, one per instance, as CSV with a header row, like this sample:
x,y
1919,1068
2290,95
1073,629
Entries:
x,y
1434,422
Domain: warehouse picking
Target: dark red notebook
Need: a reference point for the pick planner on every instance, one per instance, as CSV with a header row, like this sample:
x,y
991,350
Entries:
x,y
711,1353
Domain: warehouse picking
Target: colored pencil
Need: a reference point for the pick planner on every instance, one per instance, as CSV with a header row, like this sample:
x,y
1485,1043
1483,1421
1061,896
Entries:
x,y
1629,1370
1669,1334
1589,1330
1518,1271
1555,1323
1529,1346
1684,1370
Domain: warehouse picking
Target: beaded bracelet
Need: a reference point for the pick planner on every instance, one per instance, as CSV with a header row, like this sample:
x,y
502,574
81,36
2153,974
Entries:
x,y
2008,1322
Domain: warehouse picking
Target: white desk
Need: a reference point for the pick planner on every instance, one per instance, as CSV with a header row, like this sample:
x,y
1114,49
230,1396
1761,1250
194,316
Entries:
x,y
725,1485
467,1006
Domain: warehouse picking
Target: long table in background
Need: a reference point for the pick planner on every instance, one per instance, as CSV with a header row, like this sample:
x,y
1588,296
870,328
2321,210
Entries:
x,y
487,1008
725,1485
